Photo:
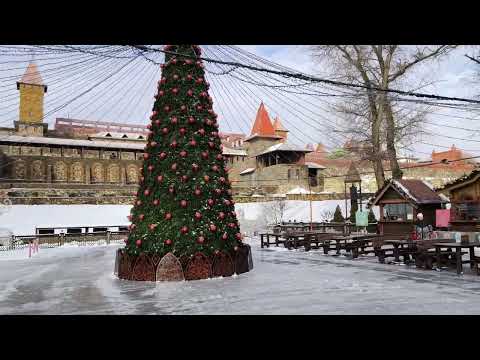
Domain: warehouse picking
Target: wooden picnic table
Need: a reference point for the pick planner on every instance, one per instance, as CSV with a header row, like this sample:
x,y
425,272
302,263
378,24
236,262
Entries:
x,y
458,246
398,246
266,236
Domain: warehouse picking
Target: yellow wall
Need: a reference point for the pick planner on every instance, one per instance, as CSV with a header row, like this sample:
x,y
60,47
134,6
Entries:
x,y
31,103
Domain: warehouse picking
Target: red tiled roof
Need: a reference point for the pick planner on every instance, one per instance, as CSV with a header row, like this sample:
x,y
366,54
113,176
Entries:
x,y
263,124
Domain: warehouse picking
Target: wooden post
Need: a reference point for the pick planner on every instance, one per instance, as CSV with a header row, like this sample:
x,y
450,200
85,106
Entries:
x,y
108,237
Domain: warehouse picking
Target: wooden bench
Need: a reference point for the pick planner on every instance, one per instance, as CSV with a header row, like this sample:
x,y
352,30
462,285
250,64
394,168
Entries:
x,y
265,239
425,254
385,250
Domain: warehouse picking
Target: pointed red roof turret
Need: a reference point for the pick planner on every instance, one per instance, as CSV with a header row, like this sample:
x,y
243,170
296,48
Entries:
x,y
277,125
32,76
263,124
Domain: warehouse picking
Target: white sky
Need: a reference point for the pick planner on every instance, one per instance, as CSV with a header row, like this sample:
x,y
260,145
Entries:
x,y
128,96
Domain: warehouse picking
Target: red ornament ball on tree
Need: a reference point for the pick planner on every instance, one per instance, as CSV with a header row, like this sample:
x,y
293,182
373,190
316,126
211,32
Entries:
x,y
211,144
146,192
171,189
174,120
182,131
215,168
161,93
189,92
183,203
224,236
157,122
201,240
184,178
168,242
191,120
210,202
139,202
150,168
141,217
184,230
138,243
183,108
221,215
156,202
198,192
162,155
174,167
198,215
201,132
175,91
146,156
175,77
166,108
199,80
165,131
195,167
212,227
199,107
206,178
173,144
160,178
152,227
193,142
205,154
168,216
183,153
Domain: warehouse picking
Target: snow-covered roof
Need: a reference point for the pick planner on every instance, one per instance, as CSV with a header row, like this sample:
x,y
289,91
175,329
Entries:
x,y
119,135
283,147
299,190
247,171
70,142
114,144
312,165
415,191
234,152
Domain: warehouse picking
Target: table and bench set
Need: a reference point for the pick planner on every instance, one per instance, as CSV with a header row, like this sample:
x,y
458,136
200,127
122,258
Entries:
x,y
439,253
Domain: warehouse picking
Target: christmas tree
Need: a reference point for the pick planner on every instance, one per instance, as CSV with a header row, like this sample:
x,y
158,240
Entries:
x,y
184,203
337,216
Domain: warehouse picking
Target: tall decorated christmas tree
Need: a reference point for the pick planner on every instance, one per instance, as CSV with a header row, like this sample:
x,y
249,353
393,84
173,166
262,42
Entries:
x,y
183,215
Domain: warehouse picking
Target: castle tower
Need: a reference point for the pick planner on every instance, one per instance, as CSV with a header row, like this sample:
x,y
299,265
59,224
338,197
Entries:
x,y
32,91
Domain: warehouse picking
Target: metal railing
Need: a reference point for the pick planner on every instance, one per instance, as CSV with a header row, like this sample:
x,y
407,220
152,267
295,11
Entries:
x,y
55,240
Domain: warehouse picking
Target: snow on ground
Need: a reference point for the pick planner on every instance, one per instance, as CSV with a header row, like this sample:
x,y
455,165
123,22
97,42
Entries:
x,y
23,219
80,280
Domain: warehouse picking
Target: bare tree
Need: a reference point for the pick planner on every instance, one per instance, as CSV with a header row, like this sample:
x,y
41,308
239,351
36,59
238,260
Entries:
x,y
274,211
374,114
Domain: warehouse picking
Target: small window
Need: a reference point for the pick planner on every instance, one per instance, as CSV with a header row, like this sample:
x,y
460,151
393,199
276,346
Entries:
x,y
74,230
398,212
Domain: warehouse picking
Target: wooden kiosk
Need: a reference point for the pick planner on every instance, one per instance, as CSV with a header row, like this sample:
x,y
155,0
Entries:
x,y
464,194
401,200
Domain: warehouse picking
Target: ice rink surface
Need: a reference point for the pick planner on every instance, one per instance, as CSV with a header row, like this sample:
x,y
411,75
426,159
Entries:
x,y
80,280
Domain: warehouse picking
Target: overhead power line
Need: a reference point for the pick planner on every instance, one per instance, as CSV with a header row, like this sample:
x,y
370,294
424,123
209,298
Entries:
x,y
310,78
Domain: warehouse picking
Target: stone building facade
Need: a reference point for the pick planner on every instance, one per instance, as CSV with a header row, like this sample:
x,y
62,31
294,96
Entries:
x,y
81,158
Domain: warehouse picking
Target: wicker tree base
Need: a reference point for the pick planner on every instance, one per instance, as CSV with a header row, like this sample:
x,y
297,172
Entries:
x,y
171,268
